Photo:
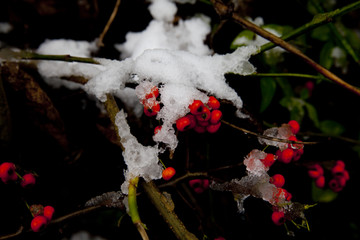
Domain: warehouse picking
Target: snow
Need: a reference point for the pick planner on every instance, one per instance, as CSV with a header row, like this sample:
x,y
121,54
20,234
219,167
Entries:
x,y
172,57
142,161
5,27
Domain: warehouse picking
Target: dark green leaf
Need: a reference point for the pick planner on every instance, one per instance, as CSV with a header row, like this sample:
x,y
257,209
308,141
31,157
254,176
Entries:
x,y
325,55
331,127
241,38
312,113
322,195
268,88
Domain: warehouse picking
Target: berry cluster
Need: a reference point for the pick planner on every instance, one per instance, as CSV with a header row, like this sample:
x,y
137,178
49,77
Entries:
x,y
199,185
8,174
202,117
293,152
150,101
339,176
41,216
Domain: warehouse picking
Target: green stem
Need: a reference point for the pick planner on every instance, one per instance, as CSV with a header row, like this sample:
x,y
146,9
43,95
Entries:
x,y
297,75
318,20
133,208
66,58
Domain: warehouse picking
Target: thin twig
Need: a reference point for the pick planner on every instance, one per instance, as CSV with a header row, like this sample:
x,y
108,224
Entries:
x,y
266,137
107,26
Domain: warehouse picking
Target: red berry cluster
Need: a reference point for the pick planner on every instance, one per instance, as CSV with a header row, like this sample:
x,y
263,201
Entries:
x,y
199,185
339,176
293,152
8,174
202,117
150,102
41,216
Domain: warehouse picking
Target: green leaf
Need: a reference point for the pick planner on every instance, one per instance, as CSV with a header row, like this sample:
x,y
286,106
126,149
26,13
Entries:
x,y
312,113
321,33
295,107
331,127
268,88
242,39
322,195
325,55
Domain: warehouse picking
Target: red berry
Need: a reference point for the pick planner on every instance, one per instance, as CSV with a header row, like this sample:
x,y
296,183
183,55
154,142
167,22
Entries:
x,y
204,115
203,123
294,126
215,116
28,180
157,129
152,111
192,121
196,107
212,128
286,155
297,154
213,103
48,212
337,170
340,163
199,185
154,93
278,180
315,171
320,182
278,218
38,223
268,160
335,185
168,173
183,123
7,172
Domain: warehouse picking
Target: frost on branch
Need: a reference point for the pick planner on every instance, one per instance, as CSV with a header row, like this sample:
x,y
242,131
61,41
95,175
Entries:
x,y
282,132
142,161
255,183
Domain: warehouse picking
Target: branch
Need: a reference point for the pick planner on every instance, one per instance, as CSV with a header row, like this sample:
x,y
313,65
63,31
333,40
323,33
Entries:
x,y
224,11
266,137
297,75
166,209
107,26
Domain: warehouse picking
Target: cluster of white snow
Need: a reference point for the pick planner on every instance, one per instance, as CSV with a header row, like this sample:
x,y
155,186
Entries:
x,y
172,57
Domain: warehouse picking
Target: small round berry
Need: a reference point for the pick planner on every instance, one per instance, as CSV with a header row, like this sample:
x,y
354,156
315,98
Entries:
x,y
38,223
315,171
204,115
294,126
278,218
213,128
152,111
297,154
203,123
268,160
196,107
334,185
295,145
28,180
199,185
286,155
278,180
7,172
213,103
168,173
193,121
183,123
320,182
48,212
337,170
215,116
154,93
157,129
340,163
